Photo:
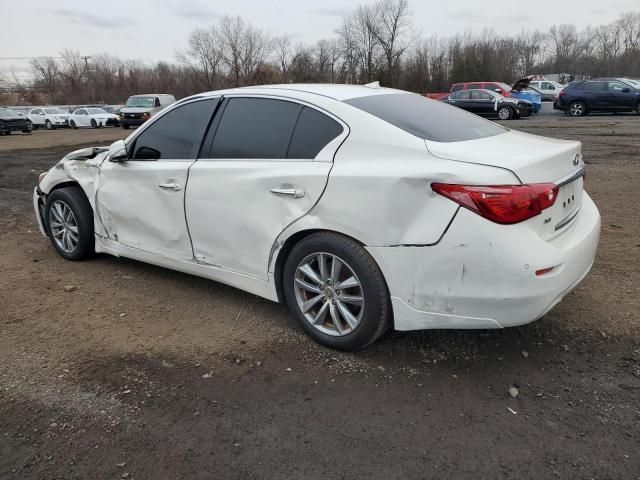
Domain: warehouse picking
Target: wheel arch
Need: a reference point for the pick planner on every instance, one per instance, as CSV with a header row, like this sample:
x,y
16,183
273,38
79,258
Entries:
x,y
287,246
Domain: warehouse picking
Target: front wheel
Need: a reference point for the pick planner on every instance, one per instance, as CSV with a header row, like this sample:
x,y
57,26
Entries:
x,y
73,125
336,291
93,123
49,125
505,113
69,220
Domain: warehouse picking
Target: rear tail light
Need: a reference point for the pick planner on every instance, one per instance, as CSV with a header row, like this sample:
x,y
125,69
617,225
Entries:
x,y
562,93
504,204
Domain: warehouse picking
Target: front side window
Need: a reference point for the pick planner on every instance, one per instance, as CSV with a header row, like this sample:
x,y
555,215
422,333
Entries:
x,y
425,118
177,135
616,86
255,128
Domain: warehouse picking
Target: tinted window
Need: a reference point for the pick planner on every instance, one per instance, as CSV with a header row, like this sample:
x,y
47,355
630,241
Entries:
x,y
313,131
462,95
428,119
595,86
176,135
617,86
255,128
480,95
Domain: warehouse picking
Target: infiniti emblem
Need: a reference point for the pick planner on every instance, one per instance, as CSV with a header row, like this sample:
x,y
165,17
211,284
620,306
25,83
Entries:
x,y
576,160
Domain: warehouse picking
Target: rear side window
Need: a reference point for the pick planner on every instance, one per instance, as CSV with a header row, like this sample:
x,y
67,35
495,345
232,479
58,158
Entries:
x,y
313,132
177,135
473,86
595,86
255,128
425,118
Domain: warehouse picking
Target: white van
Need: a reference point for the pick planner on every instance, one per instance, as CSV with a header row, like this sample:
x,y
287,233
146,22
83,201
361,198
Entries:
x,y
140,108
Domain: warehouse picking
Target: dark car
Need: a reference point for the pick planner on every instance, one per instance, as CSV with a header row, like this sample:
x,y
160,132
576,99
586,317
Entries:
x,y
599,95
489,104
11,121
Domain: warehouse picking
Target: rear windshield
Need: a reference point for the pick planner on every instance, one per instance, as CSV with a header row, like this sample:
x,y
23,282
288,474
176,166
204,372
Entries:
x,y
425,118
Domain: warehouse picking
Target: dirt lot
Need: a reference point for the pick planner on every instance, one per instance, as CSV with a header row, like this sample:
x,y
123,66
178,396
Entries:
x,y
150,374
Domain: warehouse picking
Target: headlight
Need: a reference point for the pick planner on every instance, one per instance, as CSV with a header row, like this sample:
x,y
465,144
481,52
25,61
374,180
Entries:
x,y
41,176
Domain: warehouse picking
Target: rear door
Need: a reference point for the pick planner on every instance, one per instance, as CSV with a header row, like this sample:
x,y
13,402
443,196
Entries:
x,y
596,94
267,166
482,103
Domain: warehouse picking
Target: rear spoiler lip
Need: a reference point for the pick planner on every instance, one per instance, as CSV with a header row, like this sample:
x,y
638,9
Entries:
x,y
571,177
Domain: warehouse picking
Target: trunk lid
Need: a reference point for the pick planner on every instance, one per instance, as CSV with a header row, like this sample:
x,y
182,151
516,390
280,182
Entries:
x,y
532,159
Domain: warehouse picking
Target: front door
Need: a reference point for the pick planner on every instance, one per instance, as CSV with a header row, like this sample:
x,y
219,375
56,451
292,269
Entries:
x,y
268,165
140,202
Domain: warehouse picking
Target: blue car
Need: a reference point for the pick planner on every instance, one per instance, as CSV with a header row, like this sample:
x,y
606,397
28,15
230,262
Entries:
x,y
599,95
521,90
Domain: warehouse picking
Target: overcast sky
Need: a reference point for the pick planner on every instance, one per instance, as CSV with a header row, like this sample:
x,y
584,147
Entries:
x,y
152,30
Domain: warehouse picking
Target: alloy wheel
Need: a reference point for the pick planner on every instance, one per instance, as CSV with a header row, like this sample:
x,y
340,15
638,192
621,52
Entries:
x,y
504,113
63,226
329,294
576,109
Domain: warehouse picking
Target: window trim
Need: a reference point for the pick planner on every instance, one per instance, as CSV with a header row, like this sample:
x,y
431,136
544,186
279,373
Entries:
x,y
325,155
130,141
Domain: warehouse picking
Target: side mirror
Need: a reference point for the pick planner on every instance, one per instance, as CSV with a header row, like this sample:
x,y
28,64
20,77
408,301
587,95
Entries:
x,y
118,152
626,90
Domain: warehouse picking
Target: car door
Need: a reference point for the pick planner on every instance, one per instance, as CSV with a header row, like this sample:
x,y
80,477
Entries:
x,y
268,165
37,117
80,117
596,94
461,99
141,200
620,96
482,103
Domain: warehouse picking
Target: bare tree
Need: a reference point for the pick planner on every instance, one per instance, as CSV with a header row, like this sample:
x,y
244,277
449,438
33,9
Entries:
x,y
47,74
390,22
244,48
284,54
204,56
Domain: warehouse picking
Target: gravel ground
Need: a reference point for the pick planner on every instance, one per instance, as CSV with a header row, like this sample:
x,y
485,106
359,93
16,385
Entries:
x,y
140,372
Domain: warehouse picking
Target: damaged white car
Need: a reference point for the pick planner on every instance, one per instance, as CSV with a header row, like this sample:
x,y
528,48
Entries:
x,y
359,207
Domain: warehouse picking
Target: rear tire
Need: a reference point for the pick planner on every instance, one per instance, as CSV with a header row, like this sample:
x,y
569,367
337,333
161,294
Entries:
x,y
125,126
49,125
93,123
70,233
357,312
637,110
577,109
73,125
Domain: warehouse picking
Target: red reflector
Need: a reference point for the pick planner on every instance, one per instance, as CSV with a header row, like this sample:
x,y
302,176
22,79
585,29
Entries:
x,y
542,271
504,204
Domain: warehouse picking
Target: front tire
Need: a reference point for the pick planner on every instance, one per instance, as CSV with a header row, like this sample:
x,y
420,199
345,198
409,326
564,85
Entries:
x,y
49,125
93,123
69,222
577,109
336,291
73,125
505,113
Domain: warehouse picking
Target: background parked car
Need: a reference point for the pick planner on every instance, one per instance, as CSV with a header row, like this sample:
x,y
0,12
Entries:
x,y
599,95
115,109
140,108
489,104
518,90
11,121
93,117
547,88
48,117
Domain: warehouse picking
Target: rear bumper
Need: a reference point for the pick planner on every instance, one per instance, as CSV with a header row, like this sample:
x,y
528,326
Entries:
x,y
482,275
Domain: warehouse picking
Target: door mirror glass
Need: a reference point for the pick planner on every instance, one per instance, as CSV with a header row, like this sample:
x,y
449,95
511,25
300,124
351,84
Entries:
x,y
118,152
626,90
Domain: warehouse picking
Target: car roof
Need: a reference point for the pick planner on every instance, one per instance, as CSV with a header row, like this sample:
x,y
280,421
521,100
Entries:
x,y
334,91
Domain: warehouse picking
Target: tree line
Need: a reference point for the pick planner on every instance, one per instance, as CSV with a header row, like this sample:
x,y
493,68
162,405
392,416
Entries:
x,y
376,41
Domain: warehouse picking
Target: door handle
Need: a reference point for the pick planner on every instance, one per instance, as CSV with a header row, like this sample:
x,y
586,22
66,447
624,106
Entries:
x,y
170,186
290,192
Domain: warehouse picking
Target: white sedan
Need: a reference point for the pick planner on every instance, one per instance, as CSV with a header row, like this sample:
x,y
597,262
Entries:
x,y
93,117
48,117
359,207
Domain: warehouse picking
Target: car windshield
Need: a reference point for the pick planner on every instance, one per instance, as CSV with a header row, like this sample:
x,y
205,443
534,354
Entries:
x,y
146,102
425,118
632,82
94,111
5,112
54,111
